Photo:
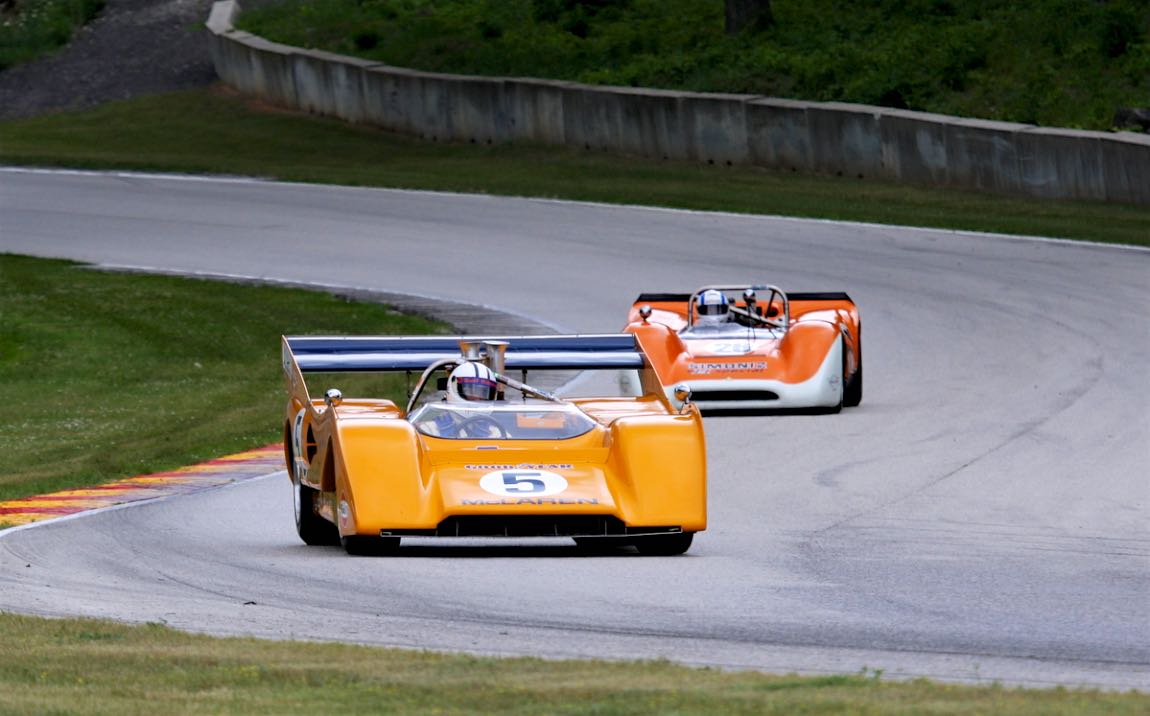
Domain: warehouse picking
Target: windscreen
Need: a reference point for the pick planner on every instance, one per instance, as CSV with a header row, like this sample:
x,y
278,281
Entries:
x,y
501,421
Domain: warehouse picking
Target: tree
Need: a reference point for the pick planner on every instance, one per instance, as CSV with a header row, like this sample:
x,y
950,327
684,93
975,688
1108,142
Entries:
x,y
753,15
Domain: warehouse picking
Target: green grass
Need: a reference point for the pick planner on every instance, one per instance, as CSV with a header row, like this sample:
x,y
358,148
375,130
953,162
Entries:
x,y
30,28
114,375
92,667
1062,63
205,131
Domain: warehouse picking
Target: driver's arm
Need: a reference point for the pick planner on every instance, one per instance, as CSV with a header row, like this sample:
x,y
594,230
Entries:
x,y
441,424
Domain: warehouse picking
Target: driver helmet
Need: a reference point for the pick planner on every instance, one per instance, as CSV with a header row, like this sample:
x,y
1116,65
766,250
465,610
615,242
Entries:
x,y
711,308
471,382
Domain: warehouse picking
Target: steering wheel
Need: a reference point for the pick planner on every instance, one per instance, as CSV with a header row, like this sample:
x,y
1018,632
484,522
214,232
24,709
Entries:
x,y
483,424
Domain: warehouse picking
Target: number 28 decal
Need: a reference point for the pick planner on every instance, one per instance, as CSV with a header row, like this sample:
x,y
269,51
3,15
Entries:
x,y
729,348
513,483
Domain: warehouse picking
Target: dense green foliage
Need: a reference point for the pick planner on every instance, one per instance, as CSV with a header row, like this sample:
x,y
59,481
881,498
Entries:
x,y
1063,63
79,666
113,375
29,28
201,132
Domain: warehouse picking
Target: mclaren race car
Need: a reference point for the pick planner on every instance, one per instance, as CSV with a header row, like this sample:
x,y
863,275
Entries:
x,y
752,348
476,452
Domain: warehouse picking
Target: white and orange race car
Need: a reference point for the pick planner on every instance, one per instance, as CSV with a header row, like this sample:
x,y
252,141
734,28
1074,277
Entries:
x,y
753,348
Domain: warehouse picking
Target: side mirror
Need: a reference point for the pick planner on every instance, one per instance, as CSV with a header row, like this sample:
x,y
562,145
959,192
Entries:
x,y
683,395
332,397
644,312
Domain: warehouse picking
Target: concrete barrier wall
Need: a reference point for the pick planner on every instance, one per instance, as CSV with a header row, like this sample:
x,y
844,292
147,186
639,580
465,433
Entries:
x,y
821,137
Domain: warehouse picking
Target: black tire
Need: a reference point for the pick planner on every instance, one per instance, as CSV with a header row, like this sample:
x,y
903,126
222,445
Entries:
x,y
363,546
664,545
313,529
852,391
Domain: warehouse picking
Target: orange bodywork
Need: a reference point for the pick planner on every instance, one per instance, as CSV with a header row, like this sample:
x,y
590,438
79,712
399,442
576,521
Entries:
x,y
638,469
814,361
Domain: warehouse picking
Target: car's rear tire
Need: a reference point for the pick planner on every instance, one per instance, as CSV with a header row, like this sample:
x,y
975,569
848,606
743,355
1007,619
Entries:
x,y
852,394
364,546
853,390
313,529
664,545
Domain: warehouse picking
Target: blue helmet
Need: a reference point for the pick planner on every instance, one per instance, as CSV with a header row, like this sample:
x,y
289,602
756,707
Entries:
x,y
712,306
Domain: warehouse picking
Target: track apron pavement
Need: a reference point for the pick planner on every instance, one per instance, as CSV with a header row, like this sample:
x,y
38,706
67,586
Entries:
x,y
983,515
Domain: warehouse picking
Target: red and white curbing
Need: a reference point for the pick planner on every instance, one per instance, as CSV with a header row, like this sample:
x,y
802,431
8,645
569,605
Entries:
x,y
194,478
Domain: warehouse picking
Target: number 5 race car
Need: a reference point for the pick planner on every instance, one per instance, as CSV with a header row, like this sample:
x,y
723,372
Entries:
x,y
753,347
477,453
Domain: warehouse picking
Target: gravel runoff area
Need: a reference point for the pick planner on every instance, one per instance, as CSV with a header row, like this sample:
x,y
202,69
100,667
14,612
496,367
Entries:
x,y
133,47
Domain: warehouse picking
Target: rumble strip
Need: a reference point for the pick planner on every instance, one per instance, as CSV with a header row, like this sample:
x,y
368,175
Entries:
x,y
202,476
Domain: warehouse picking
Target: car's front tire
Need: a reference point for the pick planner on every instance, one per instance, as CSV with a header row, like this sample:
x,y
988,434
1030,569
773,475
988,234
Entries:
x,y
312,529
664,545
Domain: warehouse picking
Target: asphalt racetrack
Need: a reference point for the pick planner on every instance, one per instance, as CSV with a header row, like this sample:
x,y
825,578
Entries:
x,y
982,516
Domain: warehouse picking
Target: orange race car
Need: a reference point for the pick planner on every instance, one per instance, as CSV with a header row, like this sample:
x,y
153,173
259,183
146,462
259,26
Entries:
x,y
752,348
477,453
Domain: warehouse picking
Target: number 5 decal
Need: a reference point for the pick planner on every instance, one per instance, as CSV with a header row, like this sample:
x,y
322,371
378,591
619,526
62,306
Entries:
x,y
522,482
511,483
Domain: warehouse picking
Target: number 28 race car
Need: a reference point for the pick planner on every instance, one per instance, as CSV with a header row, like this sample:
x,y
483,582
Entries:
x,y
478,453
753,348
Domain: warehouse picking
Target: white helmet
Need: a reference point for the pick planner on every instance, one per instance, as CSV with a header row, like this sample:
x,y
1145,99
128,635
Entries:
x,y
711,307
471,382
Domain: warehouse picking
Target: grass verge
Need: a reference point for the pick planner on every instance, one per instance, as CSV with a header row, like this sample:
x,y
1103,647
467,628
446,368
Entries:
x,y
93,667
210,132
112,375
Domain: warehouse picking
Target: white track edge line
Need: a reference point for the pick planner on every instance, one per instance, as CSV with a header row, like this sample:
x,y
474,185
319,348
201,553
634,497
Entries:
x,y
329,287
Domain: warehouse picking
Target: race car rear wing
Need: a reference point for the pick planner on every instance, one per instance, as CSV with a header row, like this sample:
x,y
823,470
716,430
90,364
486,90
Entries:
x,y
796,296
793,305
331,354
428,354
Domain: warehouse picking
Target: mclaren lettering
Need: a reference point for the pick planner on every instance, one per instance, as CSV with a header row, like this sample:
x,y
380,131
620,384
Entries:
x,y
537,501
